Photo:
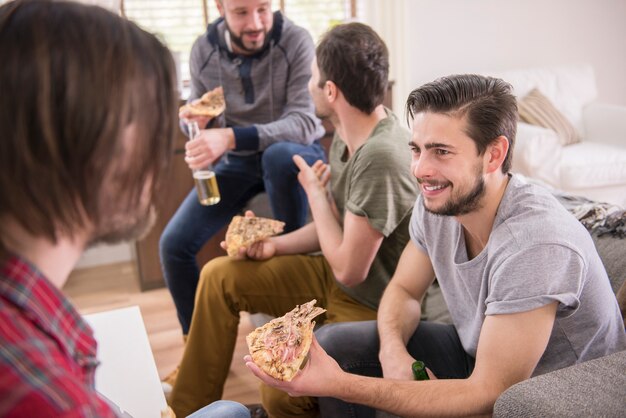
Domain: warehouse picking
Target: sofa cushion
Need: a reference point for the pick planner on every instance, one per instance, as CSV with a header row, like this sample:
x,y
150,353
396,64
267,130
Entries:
x,y
570,88
591,389
536,109
589,164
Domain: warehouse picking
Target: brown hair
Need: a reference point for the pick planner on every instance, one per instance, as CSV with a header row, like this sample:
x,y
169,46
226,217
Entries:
x,y
356,59
487,102
88,101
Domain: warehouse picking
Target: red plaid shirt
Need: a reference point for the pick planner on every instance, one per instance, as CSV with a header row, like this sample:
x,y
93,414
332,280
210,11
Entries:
x,y
47,351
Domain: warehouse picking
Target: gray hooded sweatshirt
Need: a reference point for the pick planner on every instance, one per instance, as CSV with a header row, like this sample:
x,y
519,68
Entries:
x,y
267,99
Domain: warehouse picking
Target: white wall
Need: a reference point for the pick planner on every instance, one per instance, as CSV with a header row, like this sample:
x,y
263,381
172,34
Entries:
x,y
431,38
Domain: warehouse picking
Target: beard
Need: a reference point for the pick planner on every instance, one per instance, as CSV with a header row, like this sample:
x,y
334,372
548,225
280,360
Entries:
x,y
125,228
238,40
464,203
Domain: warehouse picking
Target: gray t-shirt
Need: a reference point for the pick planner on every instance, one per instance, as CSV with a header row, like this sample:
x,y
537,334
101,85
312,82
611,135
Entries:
x,y
537,253
376,182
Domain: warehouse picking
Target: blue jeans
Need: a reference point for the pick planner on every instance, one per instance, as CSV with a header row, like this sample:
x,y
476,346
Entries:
x,y
355,346
222,409
239,180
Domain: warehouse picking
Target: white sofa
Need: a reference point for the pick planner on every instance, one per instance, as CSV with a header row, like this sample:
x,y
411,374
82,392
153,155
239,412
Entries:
x,y
594,168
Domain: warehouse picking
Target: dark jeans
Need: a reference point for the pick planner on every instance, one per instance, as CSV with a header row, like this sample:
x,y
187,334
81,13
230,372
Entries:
x,y
355,346
239,180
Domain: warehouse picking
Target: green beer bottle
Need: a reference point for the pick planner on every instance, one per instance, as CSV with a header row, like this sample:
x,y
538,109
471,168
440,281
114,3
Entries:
x,y
419,371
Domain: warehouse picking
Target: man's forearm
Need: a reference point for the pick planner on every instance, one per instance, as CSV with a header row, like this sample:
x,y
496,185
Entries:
x,y
301,241
398,318
329,232
449,398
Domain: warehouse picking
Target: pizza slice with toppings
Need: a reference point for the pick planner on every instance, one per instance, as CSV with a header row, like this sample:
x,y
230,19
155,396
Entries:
x,y
280,347
212,104
244,231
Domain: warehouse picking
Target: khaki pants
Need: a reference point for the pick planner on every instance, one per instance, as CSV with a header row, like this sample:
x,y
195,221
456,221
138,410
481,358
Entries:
x,y
273,287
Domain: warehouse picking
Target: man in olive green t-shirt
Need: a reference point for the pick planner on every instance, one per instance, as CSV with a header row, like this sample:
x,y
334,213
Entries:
x,y
361,227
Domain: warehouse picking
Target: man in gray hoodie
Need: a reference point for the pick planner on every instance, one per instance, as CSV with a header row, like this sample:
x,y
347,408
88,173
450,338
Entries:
x,y
262,60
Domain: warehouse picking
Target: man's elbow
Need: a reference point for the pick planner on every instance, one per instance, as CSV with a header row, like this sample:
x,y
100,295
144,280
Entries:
x,y
350,278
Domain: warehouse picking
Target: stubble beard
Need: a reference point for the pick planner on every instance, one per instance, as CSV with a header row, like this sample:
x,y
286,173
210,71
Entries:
x,y
464,204
238,40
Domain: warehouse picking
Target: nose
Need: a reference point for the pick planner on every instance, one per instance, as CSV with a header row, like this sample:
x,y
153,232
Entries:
x,y
421,166
255,21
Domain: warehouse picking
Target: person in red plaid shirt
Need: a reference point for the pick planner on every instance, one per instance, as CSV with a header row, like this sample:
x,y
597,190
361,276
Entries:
x,y
88,114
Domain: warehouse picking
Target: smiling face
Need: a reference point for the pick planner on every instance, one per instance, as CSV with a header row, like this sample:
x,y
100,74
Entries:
x,y
446,164
248,22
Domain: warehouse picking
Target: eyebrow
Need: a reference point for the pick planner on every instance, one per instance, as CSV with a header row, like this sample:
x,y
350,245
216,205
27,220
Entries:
x,y
431,145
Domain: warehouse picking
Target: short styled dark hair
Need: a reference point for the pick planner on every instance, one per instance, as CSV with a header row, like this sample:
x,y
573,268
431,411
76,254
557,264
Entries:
x,y
356,59
87,98
488,104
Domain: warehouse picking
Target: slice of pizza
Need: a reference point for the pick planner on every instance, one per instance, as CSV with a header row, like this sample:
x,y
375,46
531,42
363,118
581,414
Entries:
x,y
281,346
211,104
244,231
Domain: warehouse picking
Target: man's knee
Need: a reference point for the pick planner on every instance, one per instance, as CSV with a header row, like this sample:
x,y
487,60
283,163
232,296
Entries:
x,y
217,277
226,280
170,243
277,159
338,340
330,339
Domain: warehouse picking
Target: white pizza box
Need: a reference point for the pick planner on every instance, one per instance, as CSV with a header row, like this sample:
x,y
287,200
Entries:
x,y
127,374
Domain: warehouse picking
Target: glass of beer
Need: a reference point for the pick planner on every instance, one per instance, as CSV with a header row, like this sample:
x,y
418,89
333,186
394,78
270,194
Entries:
x,y
204,178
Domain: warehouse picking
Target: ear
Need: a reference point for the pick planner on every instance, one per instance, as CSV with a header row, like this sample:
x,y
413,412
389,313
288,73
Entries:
x,y
220,7
496,153
331,91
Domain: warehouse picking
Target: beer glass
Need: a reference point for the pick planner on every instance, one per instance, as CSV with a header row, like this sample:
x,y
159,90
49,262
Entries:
x,y
204,178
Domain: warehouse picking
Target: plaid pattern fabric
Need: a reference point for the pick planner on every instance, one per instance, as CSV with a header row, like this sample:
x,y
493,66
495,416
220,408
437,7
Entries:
x,y
536,109
47,351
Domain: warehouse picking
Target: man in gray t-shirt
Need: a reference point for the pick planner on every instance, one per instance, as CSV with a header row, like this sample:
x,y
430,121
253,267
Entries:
x,y
525,287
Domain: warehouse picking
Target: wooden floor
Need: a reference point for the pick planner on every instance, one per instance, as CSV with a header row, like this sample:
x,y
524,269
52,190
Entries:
x,y
113,286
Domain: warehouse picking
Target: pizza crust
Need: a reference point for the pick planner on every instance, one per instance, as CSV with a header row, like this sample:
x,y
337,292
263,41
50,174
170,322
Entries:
x,y
212,104
244,231
280,347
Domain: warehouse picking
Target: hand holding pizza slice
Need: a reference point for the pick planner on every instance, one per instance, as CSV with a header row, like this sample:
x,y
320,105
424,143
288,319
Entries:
x,y
244,231
211,104
280,347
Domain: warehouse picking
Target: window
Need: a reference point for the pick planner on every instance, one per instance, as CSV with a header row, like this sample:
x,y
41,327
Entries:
x,y
179,22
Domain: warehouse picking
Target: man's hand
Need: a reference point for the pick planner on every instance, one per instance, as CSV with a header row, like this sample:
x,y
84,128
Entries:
x,y
399,366
396,365
320,376
312,178
260,250
208,146
186,116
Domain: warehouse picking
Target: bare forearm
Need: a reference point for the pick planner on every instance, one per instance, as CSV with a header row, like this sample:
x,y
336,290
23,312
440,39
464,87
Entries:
x,y
445,398
398,318
329,232
300,241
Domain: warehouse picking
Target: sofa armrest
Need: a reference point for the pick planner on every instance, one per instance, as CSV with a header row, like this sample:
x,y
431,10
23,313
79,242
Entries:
x,y
590,389
537,153
605,123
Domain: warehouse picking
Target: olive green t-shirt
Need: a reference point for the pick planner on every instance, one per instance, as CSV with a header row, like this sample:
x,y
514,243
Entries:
x,y
376,182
